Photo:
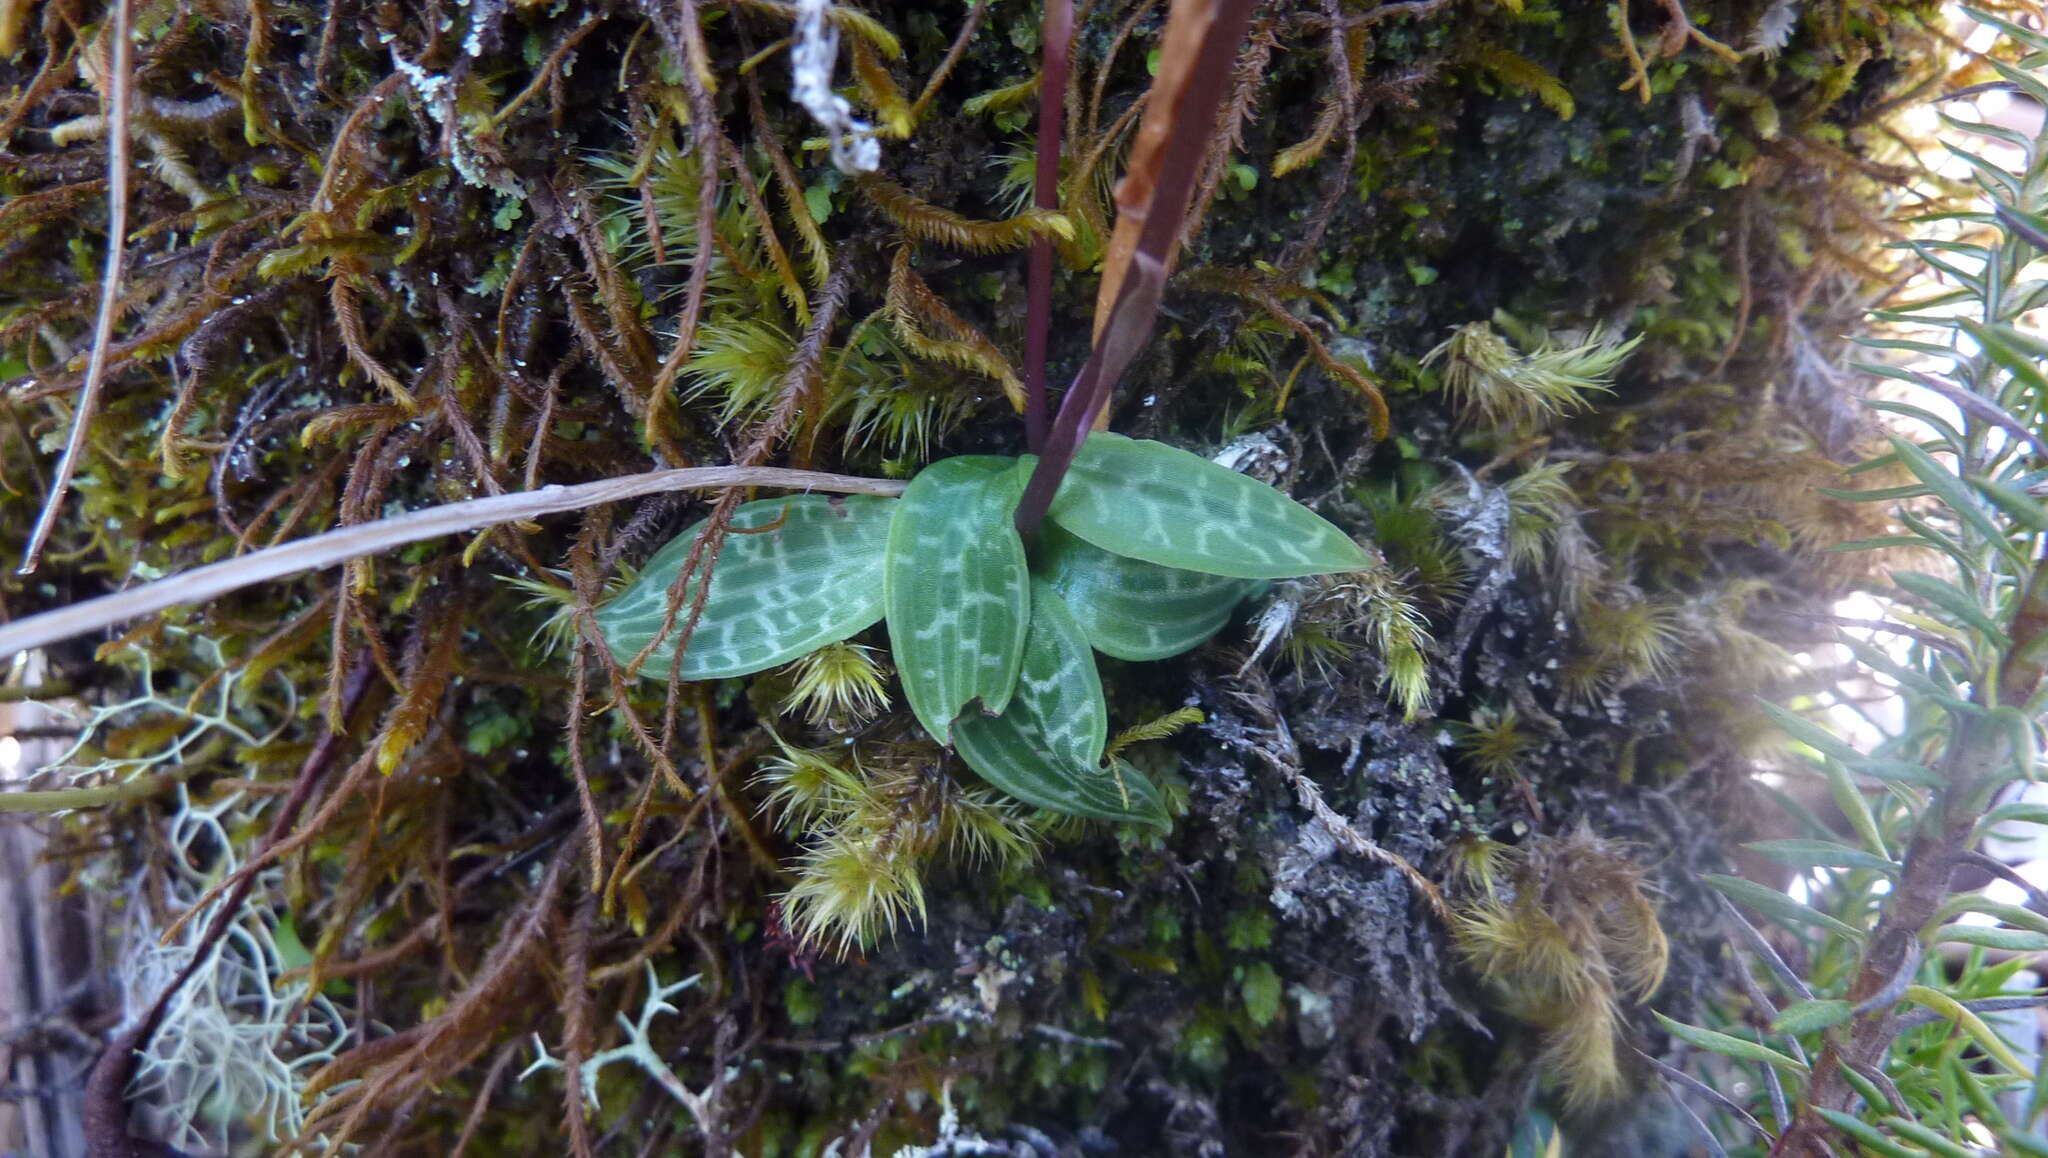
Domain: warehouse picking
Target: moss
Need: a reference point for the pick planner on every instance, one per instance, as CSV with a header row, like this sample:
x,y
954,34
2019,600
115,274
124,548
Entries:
x,y
439,258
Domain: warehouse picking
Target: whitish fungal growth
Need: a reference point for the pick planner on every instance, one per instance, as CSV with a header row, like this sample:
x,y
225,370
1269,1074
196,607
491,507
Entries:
x,y
812,59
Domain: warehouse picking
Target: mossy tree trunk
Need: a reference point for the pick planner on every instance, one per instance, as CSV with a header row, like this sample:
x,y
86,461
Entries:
x,y
382,256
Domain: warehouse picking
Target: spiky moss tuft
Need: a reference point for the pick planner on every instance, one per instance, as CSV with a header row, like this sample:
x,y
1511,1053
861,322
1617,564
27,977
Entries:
x,y
1562,931
874,820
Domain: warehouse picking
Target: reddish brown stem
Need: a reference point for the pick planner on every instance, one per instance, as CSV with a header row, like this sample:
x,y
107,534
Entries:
x,y
1974,762
1057,35
1129,322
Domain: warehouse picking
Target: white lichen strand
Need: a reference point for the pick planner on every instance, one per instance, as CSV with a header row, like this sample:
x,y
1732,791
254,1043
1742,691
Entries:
x,y
812,59
240,1041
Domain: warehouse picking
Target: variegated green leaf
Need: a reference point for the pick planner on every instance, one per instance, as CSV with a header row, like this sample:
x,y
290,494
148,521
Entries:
x,y
813,579
1132,609
1046,747
957,590
1164,505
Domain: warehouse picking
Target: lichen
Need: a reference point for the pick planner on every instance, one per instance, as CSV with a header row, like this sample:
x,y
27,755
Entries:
x,y
454,251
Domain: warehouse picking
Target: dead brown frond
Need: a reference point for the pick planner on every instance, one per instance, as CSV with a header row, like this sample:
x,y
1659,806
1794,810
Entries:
x,y
913,307
1339,108
384,1074
1261,291
927,222
429,659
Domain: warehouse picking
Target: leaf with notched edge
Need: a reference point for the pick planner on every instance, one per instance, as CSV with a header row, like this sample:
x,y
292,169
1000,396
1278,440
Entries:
x,y
957,591
1132,609
1164,505
1046,747
808,574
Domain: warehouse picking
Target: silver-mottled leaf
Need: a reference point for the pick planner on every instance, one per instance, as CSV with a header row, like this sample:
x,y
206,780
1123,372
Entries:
x,y
957,590
1164,505
1046,748
1132,609
814,579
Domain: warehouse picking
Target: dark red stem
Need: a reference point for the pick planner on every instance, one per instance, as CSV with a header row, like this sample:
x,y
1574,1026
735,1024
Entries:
x,y
1057,35
1137,303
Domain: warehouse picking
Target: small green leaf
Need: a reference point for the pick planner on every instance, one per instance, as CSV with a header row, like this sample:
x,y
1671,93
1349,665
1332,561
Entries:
x,y
1046,747
1811,1016
2031,1145
1821,854
818,200
1877,543
1926,1137
2020,506
1949,489
814,579
2021,812
1850,800
1728,1046
1164,505
1869,1136
1880,494
1810,734
2012,349
1969,1023
1132,609
1993,937
2018,916
957,591
1948,597
1772,903
1261,992
291,948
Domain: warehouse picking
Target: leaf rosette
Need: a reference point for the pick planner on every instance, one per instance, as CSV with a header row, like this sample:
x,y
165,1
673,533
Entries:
x,y
1146,554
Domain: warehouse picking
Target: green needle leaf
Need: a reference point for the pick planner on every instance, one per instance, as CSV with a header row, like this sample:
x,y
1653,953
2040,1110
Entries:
x,y
1811,1016
1046,748
1821,854
814,579
1777,905
957,590
1132,609
1729,1046
1164,505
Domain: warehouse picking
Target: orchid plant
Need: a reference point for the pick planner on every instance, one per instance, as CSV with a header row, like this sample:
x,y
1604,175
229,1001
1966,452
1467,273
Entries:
x,y
1145,552
998,575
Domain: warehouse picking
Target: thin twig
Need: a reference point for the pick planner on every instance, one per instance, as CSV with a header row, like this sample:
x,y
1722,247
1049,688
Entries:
x,y
1679,1077
114,99
369,538
1284,756
1761,946
976,9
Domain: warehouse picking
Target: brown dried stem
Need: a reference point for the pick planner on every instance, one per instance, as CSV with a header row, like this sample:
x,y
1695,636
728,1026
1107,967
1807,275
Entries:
x,y
115,100
356,541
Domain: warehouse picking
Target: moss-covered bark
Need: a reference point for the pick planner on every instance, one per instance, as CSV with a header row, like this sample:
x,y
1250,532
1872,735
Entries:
x,y
383,256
